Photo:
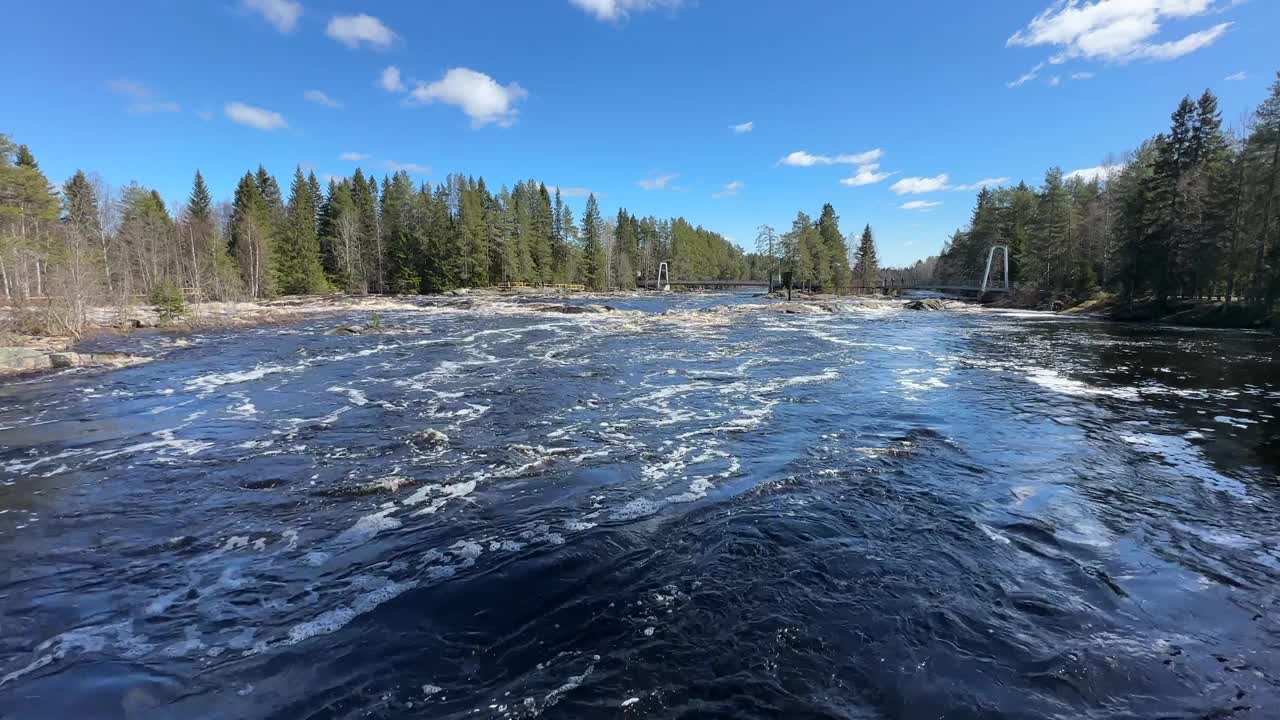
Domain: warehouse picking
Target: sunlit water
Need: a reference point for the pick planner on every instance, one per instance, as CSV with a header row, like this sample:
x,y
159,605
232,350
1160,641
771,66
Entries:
x,y
695,507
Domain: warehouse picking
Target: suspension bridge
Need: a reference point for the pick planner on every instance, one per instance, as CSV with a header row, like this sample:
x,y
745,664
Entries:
x,y
664,281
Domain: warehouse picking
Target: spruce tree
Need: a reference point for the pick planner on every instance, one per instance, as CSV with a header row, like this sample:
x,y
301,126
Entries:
x,y
867,266
199,203
592,270
298,266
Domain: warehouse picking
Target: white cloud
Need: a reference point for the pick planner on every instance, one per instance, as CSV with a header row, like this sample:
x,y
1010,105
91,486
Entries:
x,y
1055,81
1117,31
479,96
1026,77
352,30
330,177
570,191
144,101
801,158
411,168
319,97
205,115
254,117
919,205
984,182
1236,76
1101,172
728,190
354,156
918,185
615,10
657,182
745,127
866,175
282,14
390,79
1082,76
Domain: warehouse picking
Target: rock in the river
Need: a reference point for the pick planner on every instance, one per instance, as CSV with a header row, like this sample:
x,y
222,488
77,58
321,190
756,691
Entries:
x,y
571,309
927,304
429,437
346,330
21,359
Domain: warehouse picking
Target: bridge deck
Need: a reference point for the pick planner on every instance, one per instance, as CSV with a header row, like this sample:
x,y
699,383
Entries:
x,y
762,283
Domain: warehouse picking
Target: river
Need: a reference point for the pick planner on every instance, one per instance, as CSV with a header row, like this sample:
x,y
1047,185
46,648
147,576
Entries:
x,y
693,506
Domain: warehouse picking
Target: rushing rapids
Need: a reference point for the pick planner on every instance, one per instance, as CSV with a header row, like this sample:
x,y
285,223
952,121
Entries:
x,y
682,507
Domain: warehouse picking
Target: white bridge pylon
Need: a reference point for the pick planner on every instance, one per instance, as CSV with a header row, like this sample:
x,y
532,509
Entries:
x,y
991,255
663,271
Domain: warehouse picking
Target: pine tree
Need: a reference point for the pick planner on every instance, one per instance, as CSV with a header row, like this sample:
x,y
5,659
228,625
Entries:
x,y
25,159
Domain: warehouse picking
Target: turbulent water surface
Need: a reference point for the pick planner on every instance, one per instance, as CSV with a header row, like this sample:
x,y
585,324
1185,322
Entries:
x,y
692,507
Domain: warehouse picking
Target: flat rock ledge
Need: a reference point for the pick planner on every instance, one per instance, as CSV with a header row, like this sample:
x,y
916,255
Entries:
x,y
19,360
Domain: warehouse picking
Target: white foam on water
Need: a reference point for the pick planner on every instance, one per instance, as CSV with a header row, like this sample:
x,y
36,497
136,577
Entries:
x,y
444,493
206,384
244,410
573,683
167,442
334,620
354,396
1051,380
368,527
1234,421
636,509
90,639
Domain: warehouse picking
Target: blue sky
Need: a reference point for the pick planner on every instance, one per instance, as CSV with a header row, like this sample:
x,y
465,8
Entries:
x,y
729,113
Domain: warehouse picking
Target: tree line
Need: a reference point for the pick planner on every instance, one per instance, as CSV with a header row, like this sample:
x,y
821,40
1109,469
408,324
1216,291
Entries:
x,y
1193,212
65,249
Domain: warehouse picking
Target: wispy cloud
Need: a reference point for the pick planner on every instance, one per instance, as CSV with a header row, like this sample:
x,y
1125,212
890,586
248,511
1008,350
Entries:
x,y
571,191
868,174
919,185
319,97
143,100
1117,31
745,127
409,167
657,182
1026,77
616,10
919,205
1101,172
1233,77
1082,76
800,158
477,94
356,30
1055,81
984,182
728,190
254,117
390,80
354,156
282,14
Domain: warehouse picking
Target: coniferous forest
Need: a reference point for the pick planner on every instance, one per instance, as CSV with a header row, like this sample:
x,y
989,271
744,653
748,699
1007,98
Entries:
x,y
1193,212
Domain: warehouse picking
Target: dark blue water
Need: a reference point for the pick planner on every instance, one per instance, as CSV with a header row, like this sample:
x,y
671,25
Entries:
x,y
694,507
